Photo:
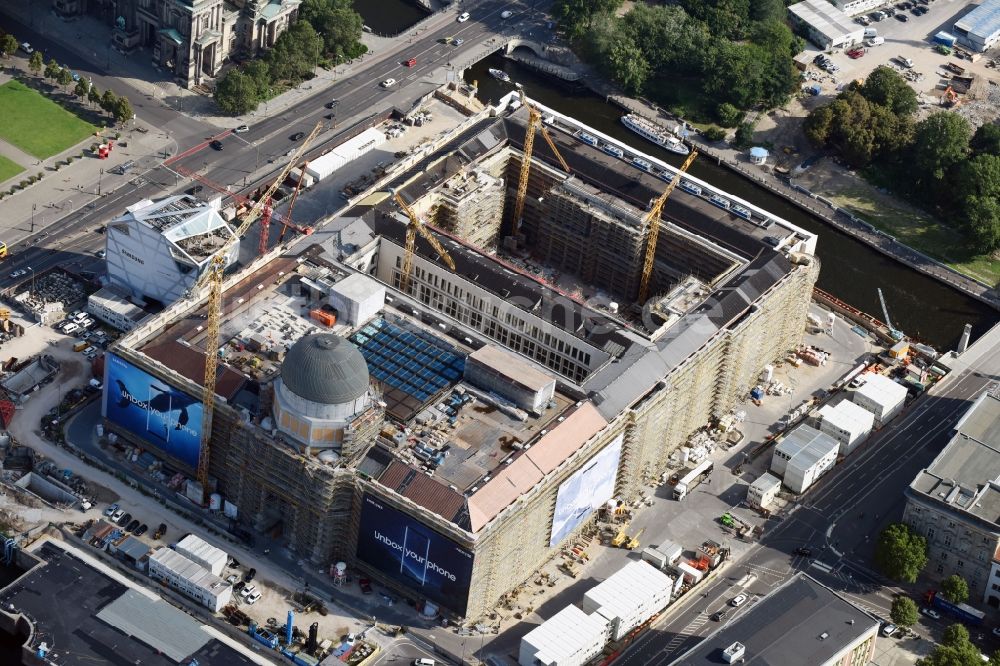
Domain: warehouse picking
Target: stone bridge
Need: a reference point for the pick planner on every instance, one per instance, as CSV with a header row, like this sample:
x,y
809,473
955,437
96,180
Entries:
x,y
555,60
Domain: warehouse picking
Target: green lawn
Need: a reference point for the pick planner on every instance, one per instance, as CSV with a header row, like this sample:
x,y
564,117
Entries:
x,y
8,168
920,231
37,125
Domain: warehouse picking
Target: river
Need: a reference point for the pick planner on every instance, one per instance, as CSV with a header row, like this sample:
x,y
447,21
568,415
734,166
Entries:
x,y
921,306
389,17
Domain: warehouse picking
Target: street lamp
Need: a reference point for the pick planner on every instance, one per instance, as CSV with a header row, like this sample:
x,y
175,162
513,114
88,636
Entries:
x,y
32,279
99,179
33,208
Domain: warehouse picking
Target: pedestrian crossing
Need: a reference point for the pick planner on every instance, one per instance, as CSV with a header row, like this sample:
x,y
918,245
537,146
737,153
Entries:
x,y
685,633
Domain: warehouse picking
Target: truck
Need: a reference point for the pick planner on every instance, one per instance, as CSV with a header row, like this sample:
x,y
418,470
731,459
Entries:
x,y
692,478
962,612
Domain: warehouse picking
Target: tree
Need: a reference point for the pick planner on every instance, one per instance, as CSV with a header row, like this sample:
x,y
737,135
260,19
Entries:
x,y
901,553
940,142
728,115
886,87
93,96
35,63
744,136
955,589
81,89
123,110
8,45
296,52
65,77
339,25
236,93
628,66
986,140
259,73
904,611
109,102
955,650
52,69
982,215
577,16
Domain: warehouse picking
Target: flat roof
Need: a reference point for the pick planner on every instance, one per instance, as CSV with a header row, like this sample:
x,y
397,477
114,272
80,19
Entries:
x,y
983,21
631,586
121,624
115,300
806,446
964,476
801,622
848,416
198,547
825,19
190,571
881,389
564,634
512,366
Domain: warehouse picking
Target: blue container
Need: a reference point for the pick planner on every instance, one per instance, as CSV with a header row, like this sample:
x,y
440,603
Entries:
x,y
945,38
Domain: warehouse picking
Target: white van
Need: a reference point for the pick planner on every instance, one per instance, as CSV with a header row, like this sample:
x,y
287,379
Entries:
x,y
871,32
875,41
905,62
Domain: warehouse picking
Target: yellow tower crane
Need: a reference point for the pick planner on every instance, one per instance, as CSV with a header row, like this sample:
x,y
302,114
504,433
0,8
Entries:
x,y
534,124
412,228
213,276
653,222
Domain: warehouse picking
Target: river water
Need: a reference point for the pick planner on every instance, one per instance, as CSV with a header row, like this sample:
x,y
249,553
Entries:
x,y
921,306
389,17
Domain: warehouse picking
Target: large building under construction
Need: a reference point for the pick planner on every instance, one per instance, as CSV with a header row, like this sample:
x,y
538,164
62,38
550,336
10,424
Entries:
x,y
448,438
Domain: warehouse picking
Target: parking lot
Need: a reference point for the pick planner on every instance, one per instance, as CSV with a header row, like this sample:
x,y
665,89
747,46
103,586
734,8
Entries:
x,y
912,39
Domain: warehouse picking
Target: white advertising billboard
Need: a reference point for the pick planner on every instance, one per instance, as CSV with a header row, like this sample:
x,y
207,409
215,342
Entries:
x,y
587,490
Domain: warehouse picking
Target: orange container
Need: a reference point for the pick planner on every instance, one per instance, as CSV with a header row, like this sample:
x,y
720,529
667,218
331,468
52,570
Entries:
x,y
324,317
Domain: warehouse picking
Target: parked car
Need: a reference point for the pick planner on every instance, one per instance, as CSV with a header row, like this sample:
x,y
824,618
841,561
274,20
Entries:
x,y
124,520
70,329
132,526
902,17
738,600
117,515
160,531
111,510
240,129
247,591
388,83
27,48
249,575
252,597
888,629
141,530
297,136
366,585
238,587
232,578
463,17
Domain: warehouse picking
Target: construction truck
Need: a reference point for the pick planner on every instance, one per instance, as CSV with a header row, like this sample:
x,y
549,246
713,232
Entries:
x,y
633,542
618,539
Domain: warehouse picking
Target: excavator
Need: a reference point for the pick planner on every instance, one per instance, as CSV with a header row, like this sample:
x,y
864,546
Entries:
x,y
633,541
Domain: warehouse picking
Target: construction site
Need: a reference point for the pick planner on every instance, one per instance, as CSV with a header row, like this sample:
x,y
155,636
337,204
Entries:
x,y
447,379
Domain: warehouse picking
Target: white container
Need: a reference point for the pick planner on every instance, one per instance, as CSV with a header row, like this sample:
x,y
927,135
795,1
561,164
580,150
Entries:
x,y
215,502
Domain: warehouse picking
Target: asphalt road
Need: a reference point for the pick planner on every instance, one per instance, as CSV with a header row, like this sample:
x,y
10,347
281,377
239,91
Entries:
x,y
839,521
70,240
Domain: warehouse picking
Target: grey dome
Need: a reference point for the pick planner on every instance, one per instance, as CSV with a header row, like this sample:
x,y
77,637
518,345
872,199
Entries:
x,y
325,368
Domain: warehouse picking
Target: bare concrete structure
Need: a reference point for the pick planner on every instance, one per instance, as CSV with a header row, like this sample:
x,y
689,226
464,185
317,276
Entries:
x,y
475,481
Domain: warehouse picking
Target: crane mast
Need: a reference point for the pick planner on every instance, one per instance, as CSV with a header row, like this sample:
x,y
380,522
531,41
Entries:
x,y
653,221
415,226
214,278
534,123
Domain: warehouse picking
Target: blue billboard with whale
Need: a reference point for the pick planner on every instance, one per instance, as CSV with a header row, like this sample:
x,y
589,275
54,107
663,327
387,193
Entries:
x,y
152,410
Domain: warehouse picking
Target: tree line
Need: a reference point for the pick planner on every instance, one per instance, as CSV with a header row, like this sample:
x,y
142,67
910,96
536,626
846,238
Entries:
x,y
938,162
327,31
731,55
